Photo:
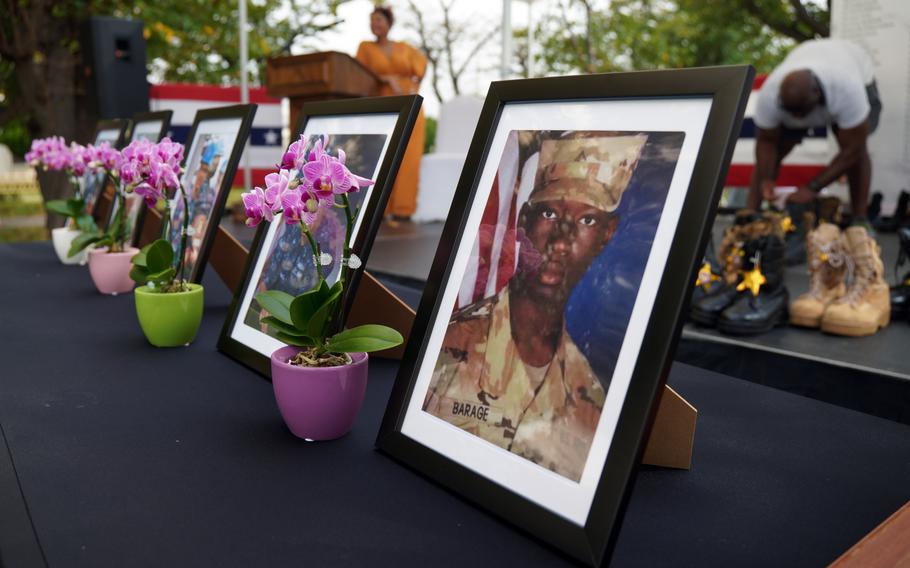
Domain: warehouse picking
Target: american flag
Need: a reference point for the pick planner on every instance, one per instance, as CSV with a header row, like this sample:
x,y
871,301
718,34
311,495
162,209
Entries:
x,y
264,146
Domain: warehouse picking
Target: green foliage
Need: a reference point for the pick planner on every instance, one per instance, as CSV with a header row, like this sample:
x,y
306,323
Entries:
x,y
14,134
73,209
429,141
155,264
365,338
304,321
113,238
196,40
592,36
85,239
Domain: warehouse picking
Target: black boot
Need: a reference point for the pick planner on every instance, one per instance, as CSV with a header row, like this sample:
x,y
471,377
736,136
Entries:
x,y
900,293
795,238
874,211
897,220
711,296
759,306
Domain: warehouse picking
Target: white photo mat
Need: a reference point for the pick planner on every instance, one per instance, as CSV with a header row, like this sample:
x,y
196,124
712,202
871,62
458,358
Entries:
x,y
550,490
338,125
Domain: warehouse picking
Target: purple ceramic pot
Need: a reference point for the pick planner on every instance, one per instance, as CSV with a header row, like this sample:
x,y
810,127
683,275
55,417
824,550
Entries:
x,y
318,403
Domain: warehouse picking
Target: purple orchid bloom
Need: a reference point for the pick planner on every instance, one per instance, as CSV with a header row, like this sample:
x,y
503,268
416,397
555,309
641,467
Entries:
x,y
327,175
276,185
78,159
105,157
170,153
148,192
317,151
162,176
299,206
290,160
257,209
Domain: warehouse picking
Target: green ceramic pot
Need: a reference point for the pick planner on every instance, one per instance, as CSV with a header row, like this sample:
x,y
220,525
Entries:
x,y
169,319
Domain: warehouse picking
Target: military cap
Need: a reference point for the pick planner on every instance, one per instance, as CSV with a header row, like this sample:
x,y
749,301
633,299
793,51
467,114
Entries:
x,y
595,171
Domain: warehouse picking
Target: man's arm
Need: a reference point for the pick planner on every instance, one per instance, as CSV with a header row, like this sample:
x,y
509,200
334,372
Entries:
x,y
766,161
852,143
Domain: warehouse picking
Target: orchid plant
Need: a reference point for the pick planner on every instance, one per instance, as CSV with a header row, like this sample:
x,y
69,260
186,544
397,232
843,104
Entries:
x,y
307,182
152,171
52,154
143,167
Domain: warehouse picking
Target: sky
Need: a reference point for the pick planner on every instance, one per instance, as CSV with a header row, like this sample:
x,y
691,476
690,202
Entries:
x,y
485,68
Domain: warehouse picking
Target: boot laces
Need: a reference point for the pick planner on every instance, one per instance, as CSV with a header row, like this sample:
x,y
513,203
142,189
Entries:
x,y
832,255
860,275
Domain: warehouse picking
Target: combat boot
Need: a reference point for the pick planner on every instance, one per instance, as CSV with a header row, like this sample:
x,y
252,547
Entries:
x,y
715,286
828,256
796,224
762,298
866,307
897,220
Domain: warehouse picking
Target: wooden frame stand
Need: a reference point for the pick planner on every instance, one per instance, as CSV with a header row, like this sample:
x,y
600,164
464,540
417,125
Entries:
x,y
673,430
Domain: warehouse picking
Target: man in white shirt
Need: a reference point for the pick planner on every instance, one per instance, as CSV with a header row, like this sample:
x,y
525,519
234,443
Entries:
x,y
821,83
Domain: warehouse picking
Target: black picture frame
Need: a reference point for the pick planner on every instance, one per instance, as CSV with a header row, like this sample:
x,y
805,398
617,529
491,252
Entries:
x,y
165,117
591,542
406,108
121,125
244,112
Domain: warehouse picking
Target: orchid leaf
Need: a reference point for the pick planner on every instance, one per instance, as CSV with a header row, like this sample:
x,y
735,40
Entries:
x,y
84,240
86,224
72,208
280,326
165,275
277,303
298,340
139,274
305,305
139,259
159,255
364,338
317,323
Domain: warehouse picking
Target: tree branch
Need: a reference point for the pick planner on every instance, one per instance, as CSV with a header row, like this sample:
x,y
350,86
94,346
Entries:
x,y
790,31
428,49
822,29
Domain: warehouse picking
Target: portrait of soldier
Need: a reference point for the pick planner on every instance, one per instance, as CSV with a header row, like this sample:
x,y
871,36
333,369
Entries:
x,y
508,371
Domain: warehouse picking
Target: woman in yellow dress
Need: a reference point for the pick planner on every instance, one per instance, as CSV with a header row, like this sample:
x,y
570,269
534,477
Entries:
x,y
400,68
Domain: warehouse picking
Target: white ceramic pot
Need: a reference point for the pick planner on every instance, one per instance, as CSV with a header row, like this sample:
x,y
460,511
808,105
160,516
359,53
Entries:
x,y
63,238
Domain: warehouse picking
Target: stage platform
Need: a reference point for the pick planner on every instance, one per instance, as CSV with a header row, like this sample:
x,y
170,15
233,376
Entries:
x,y
868,374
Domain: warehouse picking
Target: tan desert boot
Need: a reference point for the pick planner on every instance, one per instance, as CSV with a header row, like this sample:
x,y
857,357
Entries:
x,y
828,257
866,307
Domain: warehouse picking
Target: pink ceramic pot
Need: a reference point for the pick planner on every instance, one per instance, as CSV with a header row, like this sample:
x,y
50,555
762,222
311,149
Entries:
x,y
318,403
111,271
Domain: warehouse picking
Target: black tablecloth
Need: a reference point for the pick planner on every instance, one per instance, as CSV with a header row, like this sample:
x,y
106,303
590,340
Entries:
x,y
128,455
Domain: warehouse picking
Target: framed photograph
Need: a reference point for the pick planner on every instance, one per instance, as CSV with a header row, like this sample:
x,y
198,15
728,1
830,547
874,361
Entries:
x,y
373,132
552,309
214,145
150,126
114,133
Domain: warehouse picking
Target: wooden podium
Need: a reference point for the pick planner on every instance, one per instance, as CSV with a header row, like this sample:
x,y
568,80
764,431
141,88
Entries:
x,y
318,77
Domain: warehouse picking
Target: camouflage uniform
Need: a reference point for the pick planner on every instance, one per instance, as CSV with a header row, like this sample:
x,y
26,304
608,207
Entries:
x,y
481,385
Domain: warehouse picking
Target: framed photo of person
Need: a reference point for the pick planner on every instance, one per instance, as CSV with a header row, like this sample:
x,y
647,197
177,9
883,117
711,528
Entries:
x,y
373,132
93,184
150,126
554,303
214,145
